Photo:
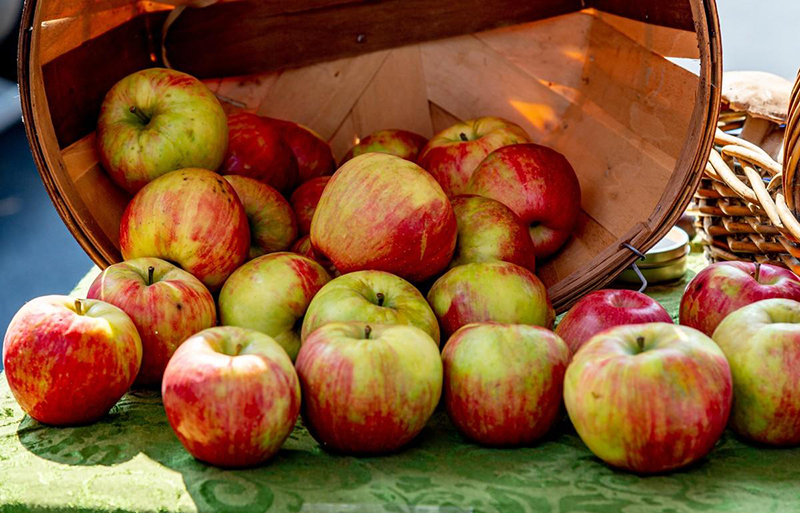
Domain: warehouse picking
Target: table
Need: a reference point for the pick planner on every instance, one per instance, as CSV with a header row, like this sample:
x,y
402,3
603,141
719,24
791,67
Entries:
x,y
131,461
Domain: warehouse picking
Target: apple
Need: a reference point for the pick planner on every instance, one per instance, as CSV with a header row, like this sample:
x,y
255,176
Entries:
x,y
191,217
503,382
603,309
303,247
314,156
166,304
649,397
232,396
490,292
158,120
724,287
304,201
762,344
488,231
400,143
539,185
68,361
384,213
273,226
256,150
453,154
270,294
370,296
368,388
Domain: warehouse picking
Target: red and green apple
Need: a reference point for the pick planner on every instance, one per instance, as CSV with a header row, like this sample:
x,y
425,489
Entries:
x,y
400,143
314,156
305,199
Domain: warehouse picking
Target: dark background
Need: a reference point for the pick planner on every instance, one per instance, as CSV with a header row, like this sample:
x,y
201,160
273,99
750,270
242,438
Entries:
x,y
38,256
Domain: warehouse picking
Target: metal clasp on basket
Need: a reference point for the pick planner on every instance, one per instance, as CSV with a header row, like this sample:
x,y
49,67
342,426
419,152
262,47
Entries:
x,y
636,267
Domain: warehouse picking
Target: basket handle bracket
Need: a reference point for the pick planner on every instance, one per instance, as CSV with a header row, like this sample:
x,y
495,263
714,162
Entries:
x,y
636,267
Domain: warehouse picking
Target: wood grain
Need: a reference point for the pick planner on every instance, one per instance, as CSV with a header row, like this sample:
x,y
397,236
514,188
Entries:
x,y
669,13
666,41
240,38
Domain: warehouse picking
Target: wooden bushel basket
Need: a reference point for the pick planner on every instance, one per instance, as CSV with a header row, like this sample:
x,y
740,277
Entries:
x,y
590,78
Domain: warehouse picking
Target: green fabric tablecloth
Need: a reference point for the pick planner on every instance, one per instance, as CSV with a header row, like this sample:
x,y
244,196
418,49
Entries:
x,y
131,461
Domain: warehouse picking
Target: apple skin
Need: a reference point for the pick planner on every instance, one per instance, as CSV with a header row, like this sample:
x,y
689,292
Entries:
x,y
384,213
375,297
66,368
653,409
489,231
304,201
270,294
724,287
273,226
314,156
762,344
166,311
257,150
471,293
503,382
303,247
539,185
258,385
605,309
400,143
186,128
191,217
452,160
368,391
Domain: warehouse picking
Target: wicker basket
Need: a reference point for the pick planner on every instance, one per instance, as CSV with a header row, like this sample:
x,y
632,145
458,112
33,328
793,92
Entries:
x,y
746,201
590,78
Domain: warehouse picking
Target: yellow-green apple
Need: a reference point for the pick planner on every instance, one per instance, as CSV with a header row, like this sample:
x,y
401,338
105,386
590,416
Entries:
x,y
400,143
191,217
156,121
605,309
539,185
303,247
304,201
384,213
257,150
166,304
368,388
453,154
370,296
314,156
490,292
724,287
273,226
68,361
270,294
762,344
232,396
489,231
503,382
649,397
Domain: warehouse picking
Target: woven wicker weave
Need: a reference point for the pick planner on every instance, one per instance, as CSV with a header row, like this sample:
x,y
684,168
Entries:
x,y
741,204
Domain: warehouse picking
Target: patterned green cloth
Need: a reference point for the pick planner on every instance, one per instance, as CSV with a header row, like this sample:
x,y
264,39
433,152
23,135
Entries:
x,y
131,461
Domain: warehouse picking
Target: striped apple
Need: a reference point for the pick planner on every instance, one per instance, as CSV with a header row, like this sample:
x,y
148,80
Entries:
x,y
400,143
503,382
270,294
490,292
232,396
649,397
384,213
167,306
191,217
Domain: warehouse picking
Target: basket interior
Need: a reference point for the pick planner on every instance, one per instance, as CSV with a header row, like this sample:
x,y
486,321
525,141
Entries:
x,y
598,87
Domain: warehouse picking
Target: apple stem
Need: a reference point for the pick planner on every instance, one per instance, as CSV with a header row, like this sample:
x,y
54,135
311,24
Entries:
x,y
367,331
139,114
150,271
640,343
78,307
758,271
380,297
463,137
